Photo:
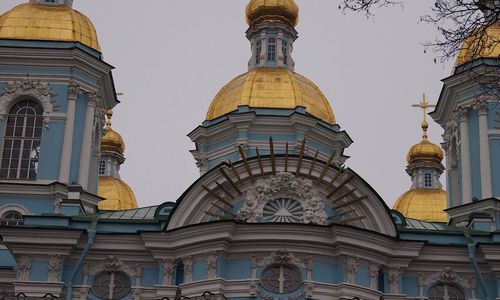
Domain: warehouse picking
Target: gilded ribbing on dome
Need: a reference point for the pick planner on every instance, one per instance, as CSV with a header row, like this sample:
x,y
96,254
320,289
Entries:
x,y
271,88
262,10
30,21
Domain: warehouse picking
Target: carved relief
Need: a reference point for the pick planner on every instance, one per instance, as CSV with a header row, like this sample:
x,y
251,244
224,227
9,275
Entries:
x,y
253,288
168,265
284,186
112,264
481,107
394,277
374,269
188,269
92,99
23,265
447,276
463,114
73,90
211,265
309,289
54,267
35,89
281,257
84,293
352,269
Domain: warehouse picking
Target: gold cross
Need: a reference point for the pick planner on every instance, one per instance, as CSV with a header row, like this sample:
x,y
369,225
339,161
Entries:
x,y
424,105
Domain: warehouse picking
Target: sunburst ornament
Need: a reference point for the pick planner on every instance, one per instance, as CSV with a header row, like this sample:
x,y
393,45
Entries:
x,y
283,210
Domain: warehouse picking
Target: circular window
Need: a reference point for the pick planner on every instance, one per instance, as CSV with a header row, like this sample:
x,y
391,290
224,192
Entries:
x,y
281,279
283,210
111,285
445,291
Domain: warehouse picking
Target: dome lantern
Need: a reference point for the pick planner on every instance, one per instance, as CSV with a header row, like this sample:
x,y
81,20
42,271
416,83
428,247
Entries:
x,y
426,199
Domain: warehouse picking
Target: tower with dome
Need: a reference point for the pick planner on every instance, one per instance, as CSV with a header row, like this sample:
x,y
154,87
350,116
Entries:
x,y
276,212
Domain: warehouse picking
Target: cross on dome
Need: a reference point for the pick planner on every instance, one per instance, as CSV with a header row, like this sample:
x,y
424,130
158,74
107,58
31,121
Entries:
x,y
424,105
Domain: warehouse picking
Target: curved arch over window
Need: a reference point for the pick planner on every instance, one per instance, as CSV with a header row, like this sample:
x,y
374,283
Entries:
x,y
21,147
446,292
12,218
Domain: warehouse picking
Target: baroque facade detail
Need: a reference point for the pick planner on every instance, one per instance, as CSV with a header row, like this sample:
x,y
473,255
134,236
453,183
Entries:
x,y
211,265
23,266
352,269
168,265
54,267
284,186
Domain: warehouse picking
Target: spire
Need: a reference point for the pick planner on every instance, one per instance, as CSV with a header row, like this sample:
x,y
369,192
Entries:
x,y
424,105
272,33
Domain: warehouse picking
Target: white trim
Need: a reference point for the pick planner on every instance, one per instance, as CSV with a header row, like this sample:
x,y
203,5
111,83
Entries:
x,y
14,207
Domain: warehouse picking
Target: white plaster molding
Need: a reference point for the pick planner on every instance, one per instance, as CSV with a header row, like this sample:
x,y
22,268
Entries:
x,y
15,207
394,274
188,269
168,265
23,266
281,257
374,269
35,89
84,292
211,265
447,276
54,267
111,264
283,185
481,107
352,269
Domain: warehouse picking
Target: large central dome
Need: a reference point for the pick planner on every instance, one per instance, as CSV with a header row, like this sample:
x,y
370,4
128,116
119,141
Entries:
x,y
271,88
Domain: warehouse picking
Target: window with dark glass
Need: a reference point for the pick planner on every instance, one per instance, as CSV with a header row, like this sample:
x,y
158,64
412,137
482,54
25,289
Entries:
x,y
12,218
427,179
258,50
445,292
102,167
111,285
21,147
271,49
284,49
281,279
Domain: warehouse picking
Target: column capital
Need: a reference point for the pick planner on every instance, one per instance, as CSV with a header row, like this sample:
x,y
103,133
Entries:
x,y
92,99
481,107
463,114
73,90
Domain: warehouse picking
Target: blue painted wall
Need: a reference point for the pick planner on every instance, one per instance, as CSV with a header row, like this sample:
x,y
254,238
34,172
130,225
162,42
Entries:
x,y
36,206
495,161
50,151
39,270
410,286
232,269
363,276
199,269
149,277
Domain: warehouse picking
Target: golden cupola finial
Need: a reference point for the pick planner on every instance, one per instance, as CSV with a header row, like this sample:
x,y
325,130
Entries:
x,y
426,199
118,194
263,10
112,140
425,151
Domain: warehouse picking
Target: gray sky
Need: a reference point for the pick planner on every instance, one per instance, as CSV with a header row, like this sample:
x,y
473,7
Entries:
x,y
172,56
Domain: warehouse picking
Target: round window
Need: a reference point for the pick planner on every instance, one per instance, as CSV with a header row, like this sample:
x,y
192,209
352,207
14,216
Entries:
x,y
281,279
111,285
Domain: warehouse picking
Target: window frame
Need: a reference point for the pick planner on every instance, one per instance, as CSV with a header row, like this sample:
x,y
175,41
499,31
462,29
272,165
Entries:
x,y
446,288
271,49
427,179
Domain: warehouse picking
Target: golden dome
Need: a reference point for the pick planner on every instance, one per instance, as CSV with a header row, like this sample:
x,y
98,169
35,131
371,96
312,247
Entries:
x,y
119,196
271,88
286,10
423,204
485,46
48,23
425,151
112,140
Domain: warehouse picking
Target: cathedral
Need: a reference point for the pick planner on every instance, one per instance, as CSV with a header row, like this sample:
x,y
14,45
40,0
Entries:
x,y
275,214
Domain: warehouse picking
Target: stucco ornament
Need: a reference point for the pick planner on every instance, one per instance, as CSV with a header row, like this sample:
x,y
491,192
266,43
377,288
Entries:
x,y
447,276
27,88
23,265
281,257
394,280
111,265
352,269
54,267
283,198
168,265
211,265
188,269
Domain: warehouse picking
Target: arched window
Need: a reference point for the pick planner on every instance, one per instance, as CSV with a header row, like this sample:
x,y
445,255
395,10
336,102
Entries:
x,y
258,50
445,292
12,218
284,49
102,167
427,179
281,279
22,141
111,285
271,49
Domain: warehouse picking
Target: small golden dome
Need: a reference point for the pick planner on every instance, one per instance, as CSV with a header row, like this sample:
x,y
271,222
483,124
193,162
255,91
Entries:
x,y
485,46
260,10
48,23
112,140
423,204
119,196
271,88
425,151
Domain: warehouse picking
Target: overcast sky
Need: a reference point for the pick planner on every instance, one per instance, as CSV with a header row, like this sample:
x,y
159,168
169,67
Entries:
x,y
172,56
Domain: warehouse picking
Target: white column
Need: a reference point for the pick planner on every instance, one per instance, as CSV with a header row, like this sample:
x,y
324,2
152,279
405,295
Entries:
x,y
83,171
465,156
65,166
484,149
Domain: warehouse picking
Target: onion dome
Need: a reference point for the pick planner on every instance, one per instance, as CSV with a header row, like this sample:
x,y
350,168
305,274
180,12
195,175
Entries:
x,y
119,196
271,88
425,151
112,140
262,10
423,204
481,45
31,21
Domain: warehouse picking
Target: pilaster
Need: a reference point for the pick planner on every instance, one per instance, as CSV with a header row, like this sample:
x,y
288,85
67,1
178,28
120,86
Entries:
x,y
73,92
83,172
463,114
481,107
